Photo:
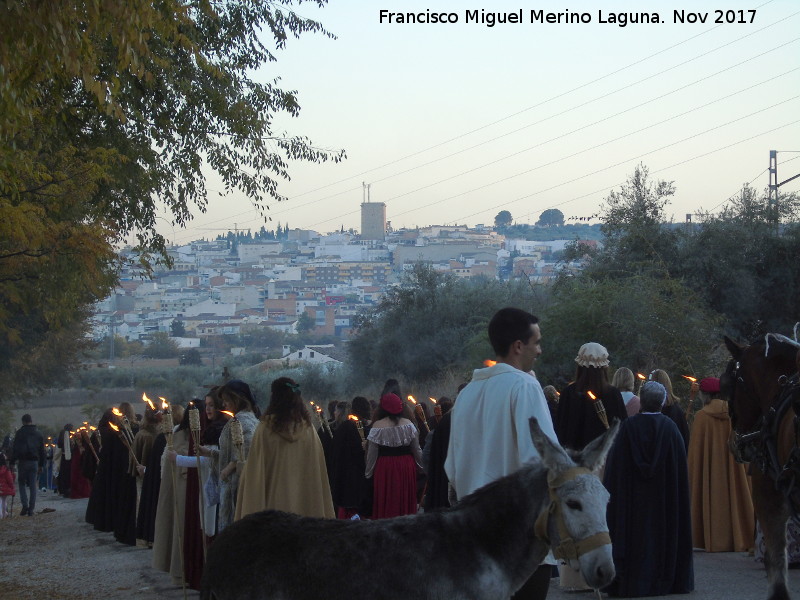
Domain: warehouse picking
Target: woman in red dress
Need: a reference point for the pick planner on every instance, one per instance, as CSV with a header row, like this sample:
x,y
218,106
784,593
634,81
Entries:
x,y
393,456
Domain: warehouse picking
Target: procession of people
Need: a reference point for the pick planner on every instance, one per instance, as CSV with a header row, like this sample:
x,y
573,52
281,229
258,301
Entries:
x,y
171,480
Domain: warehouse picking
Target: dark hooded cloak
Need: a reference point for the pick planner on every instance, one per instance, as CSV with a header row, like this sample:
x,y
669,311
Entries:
x,y
649,515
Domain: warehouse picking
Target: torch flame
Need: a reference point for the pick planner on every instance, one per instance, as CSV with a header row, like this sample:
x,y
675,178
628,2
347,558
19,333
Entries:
x,y
411,398
149,402
692,379
164,403
489,363
591,395
353,418
432,399
116,412
227,412
640,376
114,427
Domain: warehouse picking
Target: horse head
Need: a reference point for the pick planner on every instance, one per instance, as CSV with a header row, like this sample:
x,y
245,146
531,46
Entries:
x,y
752,380
574,525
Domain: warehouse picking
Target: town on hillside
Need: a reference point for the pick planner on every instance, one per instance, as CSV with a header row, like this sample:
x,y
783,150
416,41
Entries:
x,y
303,281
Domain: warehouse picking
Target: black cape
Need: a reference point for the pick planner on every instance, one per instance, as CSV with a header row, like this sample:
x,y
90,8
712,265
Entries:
x,y
649,515
436,494
350,488
101,505
125,488
151,484
577,422
675,412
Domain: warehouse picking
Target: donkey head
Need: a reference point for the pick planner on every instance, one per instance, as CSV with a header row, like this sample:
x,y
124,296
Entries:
x,y
576,527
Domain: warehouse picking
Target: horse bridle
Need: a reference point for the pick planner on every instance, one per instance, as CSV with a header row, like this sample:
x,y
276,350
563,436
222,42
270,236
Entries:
x,y
567,548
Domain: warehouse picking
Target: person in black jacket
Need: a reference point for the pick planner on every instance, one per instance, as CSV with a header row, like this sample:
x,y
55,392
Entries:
x,y
29,454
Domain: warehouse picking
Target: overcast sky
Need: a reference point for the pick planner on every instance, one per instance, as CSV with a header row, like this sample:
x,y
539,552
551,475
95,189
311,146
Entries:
x,y
451,123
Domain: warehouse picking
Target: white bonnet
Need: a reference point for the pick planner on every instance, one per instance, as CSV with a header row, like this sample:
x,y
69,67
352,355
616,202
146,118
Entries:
x,y
592,355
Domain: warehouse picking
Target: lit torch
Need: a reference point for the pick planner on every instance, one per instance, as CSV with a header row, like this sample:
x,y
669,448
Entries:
x,y
694,388
322,420
148,401
419,412
599,408
641,379
489,363
126,424
125,441
437,410
359,426
194,427
167,424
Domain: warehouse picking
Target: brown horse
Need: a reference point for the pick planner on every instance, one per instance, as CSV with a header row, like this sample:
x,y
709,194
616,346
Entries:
x,y
757,385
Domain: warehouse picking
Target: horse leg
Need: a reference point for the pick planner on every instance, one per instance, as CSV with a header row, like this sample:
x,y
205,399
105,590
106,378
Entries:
x,y
772,513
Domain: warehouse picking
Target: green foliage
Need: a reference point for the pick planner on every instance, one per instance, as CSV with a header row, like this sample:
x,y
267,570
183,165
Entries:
x,y
430,324
551,217
262,338
177,328
305,323
191,357
111,110
739,264
646,322
503,219
161,346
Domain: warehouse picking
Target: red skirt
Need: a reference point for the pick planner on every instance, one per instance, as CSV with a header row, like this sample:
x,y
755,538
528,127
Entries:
x,y
395,485
80,487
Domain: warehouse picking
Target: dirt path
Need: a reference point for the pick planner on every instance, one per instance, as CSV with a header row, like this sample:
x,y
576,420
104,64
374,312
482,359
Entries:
x,y
57,555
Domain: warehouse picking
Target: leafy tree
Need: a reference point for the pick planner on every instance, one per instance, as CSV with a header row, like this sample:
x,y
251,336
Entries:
x,y
110,109
551,217
305,323
503,219
743,268
177,328
431,324
161,346
636,239
645,321
191,357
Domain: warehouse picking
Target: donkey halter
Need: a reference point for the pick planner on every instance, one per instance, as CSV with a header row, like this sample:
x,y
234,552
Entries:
x,y
567,549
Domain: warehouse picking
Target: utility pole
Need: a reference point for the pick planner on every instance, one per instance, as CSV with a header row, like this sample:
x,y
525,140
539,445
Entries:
x,y
774,186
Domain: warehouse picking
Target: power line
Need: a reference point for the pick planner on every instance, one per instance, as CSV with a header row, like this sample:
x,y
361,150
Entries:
x,y
495,182
561,184
561,95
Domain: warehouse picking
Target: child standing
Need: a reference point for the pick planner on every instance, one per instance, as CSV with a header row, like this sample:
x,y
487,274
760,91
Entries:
x,y
7,489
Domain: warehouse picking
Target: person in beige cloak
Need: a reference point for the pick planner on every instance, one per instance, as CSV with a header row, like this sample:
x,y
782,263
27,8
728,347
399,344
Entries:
x,y
722,508
167,542
285,469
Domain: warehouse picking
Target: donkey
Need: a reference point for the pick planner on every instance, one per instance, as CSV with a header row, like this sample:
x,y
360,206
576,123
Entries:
x,y
484,548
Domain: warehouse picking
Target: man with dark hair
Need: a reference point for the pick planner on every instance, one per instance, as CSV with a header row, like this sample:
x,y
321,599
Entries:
x,y
29,453
490,435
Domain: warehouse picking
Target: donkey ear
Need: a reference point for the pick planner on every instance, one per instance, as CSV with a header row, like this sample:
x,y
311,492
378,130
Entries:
x,y
734,348
552,455
594,454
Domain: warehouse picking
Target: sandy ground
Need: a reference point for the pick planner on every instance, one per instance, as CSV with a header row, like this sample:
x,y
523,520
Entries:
x,y
57,555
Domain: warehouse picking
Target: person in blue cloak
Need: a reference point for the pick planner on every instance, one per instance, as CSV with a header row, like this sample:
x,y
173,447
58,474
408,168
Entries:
x,y
649,514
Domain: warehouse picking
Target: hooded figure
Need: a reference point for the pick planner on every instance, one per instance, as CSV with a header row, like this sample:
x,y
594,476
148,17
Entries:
x,y
722,509
649,513
285,468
